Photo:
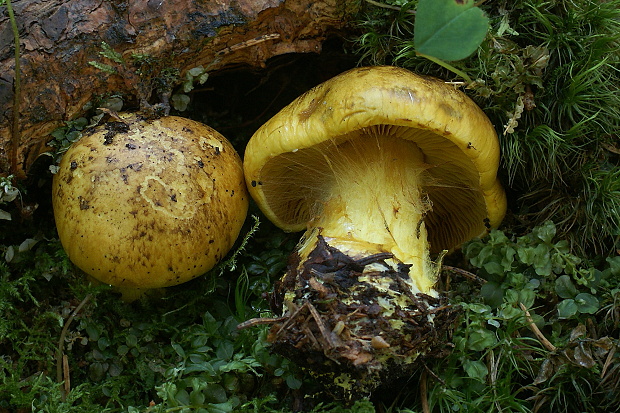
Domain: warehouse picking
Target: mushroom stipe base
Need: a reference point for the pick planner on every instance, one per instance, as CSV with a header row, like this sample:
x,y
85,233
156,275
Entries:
x,y
355,324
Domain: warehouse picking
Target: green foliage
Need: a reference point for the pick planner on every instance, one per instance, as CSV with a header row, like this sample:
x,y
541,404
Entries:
x,y
546,74
63,138
111,54
8,193
449,29
534,265
498,362
196,75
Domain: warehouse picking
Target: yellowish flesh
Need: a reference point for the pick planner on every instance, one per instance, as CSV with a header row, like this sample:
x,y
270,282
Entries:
x,y
374,203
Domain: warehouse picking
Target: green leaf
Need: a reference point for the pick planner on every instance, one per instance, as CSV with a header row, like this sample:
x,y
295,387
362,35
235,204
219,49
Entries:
x,y
481,339
545,232
220,407
293,382
587,303
476,369
110,53
492,293
527,297
449,29
614,265
180,101
567,308
196,71
215,393
103,67
564,287
494,267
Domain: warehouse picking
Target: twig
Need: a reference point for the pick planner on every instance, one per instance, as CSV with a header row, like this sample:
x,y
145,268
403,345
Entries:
x,y
321,325
290,319
546,343
260,320
62,366
388,6
66,374
464,273
423,393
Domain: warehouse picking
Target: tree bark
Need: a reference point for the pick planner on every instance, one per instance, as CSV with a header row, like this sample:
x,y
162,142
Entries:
x,y
59,38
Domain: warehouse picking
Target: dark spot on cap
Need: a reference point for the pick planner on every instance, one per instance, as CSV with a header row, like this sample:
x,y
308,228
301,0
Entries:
x,y
173,197
201,164
217,150
254,184
73,165
83,203
130,146
135,166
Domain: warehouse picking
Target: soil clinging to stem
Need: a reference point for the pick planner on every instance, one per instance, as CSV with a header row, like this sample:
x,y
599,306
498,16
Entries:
x,y
355,323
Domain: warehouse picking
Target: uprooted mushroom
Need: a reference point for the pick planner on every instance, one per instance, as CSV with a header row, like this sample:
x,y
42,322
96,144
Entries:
x,y
148,203
385,170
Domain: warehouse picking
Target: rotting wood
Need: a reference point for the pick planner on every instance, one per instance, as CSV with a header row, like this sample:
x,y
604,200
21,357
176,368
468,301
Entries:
x,y
59,38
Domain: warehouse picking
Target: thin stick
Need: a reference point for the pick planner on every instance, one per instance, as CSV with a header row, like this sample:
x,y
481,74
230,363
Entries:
x,y
388,6
290,318
423,393
260,320
546,343
464,273
60,351
66,373
321,325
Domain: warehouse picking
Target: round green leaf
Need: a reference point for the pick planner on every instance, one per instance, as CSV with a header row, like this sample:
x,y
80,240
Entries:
x,y
449,29
476,369
567,308
481,339
586,303
492,293
564,287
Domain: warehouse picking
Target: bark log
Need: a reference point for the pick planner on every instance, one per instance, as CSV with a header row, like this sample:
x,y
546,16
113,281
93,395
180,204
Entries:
x,y
59,38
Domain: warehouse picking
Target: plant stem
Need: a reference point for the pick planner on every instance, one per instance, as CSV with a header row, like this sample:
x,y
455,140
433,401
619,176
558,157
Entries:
x,y
388,6
16,138
61,344
447,66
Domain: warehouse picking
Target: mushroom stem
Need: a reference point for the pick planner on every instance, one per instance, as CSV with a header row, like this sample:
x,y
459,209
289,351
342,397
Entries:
x,y
359,295
375,203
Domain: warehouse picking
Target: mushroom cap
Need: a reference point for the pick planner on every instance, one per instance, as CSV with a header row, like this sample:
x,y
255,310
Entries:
x,y
149,203
459,144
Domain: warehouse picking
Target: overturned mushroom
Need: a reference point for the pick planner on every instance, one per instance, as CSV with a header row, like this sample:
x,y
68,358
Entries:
x,y
142,204
381,168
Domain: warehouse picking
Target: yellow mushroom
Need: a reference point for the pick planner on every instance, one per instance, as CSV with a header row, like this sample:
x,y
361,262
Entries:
x,y
382,168
142,204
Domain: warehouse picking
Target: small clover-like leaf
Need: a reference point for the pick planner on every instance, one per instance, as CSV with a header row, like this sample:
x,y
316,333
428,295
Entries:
x,y
449,29
564,287
180,101
492,294
481,339
586,303
476,369
567,308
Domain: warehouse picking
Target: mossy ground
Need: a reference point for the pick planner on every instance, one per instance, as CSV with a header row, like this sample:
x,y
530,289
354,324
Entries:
x,y
179,350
